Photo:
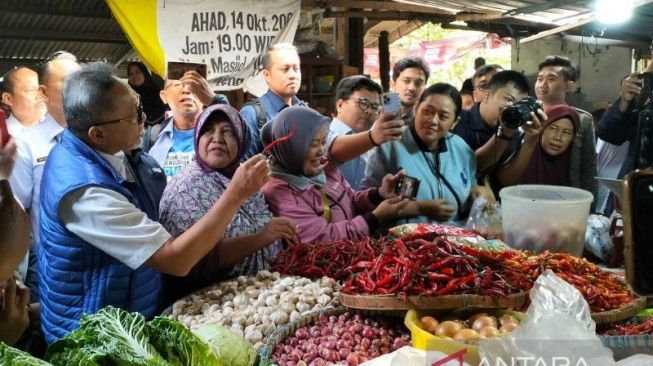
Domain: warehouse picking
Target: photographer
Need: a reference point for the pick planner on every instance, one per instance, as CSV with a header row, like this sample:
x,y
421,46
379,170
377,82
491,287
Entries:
x,y
620,123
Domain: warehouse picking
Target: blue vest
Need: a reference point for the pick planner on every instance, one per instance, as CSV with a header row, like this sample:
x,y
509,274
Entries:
x,y
76,277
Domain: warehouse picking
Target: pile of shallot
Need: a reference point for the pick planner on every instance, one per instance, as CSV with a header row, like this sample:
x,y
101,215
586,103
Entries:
x,y
350,339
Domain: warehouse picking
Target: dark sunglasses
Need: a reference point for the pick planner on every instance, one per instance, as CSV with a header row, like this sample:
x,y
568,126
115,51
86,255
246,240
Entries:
x,y
140,117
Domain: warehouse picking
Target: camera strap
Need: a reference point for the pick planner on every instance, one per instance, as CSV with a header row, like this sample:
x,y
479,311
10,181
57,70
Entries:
x,y
436,171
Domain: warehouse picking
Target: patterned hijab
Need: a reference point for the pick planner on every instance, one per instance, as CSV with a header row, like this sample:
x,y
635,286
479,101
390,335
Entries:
x,y
288,156
222,112
544,168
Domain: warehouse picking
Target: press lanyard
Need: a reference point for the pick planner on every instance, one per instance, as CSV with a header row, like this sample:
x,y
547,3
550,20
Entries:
x,y
326,209
441,178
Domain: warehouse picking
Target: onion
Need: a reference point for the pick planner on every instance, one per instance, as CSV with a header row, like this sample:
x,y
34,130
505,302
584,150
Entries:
x,y
369,332
508,327
352,360
448,329
488,332
508,319
343,353
465,335
301,333
429,324
484,321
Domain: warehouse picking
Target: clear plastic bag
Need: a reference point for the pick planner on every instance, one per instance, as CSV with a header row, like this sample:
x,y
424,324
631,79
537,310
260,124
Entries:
x,y
485,222
558,329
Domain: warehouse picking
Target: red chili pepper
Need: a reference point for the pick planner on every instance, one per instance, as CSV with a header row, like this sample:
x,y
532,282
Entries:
x,y
280,140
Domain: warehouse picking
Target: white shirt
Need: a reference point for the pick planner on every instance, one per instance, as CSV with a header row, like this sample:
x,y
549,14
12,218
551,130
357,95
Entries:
x,y
14,127
34,145
609,159
108,221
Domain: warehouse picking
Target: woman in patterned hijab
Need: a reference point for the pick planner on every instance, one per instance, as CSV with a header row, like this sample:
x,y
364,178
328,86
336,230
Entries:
x,y
252,240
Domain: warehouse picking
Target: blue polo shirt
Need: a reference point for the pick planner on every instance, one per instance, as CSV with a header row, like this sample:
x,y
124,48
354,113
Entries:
x,y
472,129
272,105
353,170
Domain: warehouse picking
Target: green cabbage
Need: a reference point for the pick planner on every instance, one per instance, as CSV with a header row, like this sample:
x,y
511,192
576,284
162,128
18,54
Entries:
x,y
231,348
12,357
179,345
110,334
114,337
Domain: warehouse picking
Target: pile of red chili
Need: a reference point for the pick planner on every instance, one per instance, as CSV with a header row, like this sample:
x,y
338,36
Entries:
x,y
419,267
645,326
326,259
603,290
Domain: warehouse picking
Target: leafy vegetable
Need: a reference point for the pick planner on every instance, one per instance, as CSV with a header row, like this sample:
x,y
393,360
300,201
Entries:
x,y
111,334
179,345
12,357
231,348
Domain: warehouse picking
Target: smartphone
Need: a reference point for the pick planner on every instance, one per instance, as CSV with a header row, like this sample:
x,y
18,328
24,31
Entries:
x,y
177,69
407,186
391,103
3,128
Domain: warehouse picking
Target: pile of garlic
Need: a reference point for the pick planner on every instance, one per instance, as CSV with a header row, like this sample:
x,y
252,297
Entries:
x,y
254,306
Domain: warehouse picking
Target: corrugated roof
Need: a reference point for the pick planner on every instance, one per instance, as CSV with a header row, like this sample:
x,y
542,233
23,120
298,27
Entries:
x,y
32,29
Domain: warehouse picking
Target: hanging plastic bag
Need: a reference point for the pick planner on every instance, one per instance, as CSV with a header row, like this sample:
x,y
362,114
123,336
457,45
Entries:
x,y
485,222
558,329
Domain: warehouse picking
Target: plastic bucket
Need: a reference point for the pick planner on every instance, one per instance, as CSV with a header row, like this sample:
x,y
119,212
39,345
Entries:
x,y
542,217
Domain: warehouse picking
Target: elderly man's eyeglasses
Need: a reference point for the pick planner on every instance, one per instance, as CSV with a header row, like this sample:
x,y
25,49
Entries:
x,y
175,85
139,118
365,104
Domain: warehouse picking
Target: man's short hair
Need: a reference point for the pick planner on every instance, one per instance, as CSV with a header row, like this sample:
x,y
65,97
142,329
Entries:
x,y
503,78
567,68
267,57
478,62
44,69
410,62
9,79
347,86
486,69
86,96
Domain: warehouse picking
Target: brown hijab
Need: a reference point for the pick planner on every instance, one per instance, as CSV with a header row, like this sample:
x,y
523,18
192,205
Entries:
x,y
544,168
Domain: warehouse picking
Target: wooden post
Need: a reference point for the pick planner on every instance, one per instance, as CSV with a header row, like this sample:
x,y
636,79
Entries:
x,y
356,35
384,61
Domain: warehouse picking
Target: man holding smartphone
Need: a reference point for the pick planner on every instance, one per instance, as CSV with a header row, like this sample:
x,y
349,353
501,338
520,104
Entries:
x,y
359,126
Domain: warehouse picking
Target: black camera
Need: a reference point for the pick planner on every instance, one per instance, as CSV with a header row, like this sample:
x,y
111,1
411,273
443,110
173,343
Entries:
x,y
520,112
407,186
647,84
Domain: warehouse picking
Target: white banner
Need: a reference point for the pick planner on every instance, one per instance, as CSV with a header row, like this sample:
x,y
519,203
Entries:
x,y
229,36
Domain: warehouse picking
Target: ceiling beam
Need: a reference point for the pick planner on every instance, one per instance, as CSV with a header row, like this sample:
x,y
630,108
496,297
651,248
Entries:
x,y
12,7
400,31
43,35
371,24
556,30
389,15
122,54
537,7
375,5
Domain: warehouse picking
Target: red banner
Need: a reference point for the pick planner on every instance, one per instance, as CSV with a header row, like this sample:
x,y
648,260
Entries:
x,y
435,53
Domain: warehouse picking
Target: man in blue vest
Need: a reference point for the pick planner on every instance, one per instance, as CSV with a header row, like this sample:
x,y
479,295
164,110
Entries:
x,y
99,243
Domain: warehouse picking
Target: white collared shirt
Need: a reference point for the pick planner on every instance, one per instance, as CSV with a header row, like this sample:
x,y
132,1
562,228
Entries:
x,y
34,145
108,221
14,127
